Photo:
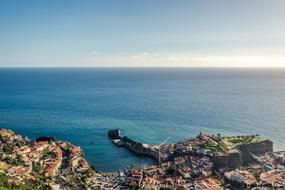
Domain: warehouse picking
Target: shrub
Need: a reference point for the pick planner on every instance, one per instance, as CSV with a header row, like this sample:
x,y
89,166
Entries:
x,y
7,149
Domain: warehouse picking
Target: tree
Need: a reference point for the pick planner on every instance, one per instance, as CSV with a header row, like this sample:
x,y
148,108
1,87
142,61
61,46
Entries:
x,y
38,168
18,144
219,136
7,149
4,181
171,170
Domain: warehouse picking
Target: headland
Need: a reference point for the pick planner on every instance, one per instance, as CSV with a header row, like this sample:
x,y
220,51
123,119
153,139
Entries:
x,y
206,162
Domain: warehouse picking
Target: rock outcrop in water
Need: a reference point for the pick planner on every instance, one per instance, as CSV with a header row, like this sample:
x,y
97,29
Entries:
x,y
209,162
45,138
114,134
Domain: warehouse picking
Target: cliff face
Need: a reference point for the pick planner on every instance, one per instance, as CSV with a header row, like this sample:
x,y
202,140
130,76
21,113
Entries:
x,y
235,159
258,148
230,160
243,155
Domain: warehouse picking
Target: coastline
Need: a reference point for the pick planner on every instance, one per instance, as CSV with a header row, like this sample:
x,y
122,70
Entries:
x,y
204,160
45,105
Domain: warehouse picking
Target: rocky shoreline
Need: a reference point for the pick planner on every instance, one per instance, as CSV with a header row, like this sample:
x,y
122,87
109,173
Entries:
x,y
204,162
45,164
208,162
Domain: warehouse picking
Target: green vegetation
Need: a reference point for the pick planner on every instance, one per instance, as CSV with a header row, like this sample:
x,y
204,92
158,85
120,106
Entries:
x,y
194,146
27,185
172,170
219,136
18,160
81,180
257,177
214,147
38,168
71,182
137,187
4,181
238,140
89,172
48,154
18,144
68,146
41,182
7,149
14,161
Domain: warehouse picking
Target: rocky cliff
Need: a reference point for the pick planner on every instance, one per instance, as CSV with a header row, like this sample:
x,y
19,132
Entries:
x,y
242,156
257,148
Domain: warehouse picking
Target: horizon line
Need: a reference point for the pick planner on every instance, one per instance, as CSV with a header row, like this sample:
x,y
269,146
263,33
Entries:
x,y
110,67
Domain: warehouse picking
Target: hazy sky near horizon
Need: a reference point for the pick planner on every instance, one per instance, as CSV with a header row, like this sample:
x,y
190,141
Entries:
x,y
142,33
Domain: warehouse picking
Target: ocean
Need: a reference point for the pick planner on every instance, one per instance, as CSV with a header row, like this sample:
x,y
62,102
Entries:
x,y
80,105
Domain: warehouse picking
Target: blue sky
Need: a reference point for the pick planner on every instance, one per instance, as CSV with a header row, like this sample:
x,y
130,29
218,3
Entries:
x,y
142,33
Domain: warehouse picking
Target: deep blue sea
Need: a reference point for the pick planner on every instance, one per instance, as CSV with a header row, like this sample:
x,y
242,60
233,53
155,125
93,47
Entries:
x,y
81,104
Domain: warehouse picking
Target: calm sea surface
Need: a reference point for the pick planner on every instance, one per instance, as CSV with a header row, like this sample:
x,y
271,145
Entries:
x,y
81,105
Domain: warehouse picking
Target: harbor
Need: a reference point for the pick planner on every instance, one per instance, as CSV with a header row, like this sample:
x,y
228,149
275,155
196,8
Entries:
x,y
134,146
205,162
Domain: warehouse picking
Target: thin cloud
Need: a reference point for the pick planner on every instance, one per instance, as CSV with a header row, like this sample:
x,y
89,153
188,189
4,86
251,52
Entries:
x,y
95,53
147,59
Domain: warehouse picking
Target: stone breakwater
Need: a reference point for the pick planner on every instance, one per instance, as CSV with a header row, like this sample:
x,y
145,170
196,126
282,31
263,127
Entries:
x,y
203,162
207,162
133,146
230,152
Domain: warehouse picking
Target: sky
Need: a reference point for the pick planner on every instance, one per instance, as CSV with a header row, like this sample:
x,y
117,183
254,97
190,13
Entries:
x,y
146,33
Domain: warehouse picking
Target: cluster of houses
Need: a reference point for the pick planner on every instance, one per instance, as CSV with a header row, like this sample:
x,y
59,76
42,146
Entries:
x,y
19,156
74,172
192,164
60,164
160,178
16,156
189,164
183,172
49,156
267,171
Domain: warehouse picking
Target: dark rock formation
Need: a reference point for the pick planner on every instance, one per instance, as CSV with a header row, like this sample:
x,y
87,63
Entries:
x,y
258,148
242,156
232,159
114,134
45,138
235,159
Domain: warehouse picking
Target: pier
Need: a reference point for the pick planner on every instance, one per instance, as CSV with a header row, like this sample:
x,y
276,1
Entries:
x,y
133,146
